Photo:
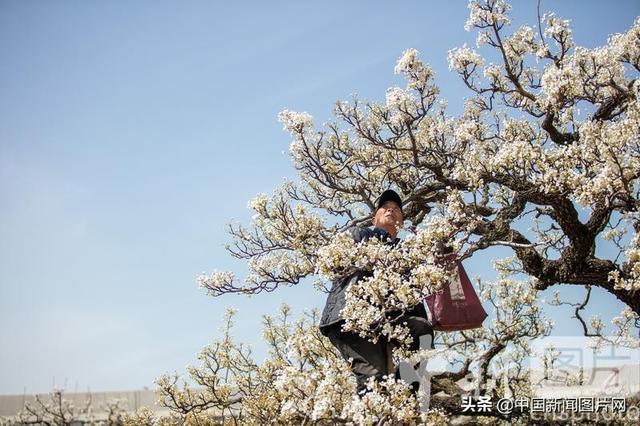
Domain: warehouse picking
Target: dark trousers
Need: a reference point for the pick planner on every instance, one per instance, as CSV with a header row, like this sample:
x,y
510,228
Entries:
x,y
374,359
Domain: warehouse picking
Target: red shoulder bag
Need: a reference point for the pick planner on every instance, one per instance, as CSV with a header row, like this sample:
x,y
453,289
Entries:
x,y
457,306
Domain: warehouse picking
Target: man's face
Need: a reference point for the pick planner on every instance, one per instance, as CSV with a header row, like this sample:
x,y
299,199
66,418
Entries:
x,y
388,216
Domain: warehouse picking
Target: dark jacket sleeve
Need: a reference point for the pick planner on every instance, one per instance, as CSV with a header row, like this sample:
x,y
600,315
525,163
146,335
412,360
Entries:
x,y
332,313
359,234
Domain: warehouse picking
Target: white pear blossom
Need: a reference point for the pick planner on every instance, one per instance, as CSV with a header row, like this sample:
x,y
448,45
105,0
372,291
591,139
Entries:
x,y
295,122
460,59
492,12
558,29
417,73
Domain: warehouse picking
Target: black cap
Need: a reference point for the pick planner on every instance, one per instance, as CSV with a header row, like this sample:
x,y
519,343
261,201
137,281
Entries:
x,y
389,195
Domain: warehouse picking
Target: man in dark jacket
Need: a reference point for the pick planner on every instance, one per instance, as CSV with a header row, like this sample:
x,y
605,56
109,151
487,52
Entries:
x,y
371,359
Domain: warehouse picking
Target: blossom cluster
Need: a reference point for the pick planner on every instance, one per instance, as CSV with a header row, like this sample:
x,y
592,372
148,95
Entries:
x,y
417,73
559,30
460,58
216,281
490,13
574,74
632,254
400,104
295,122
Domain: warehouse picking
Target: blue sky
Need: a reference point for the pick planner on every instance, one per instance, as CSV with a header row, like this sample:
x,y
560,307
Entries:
x,y
132,132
